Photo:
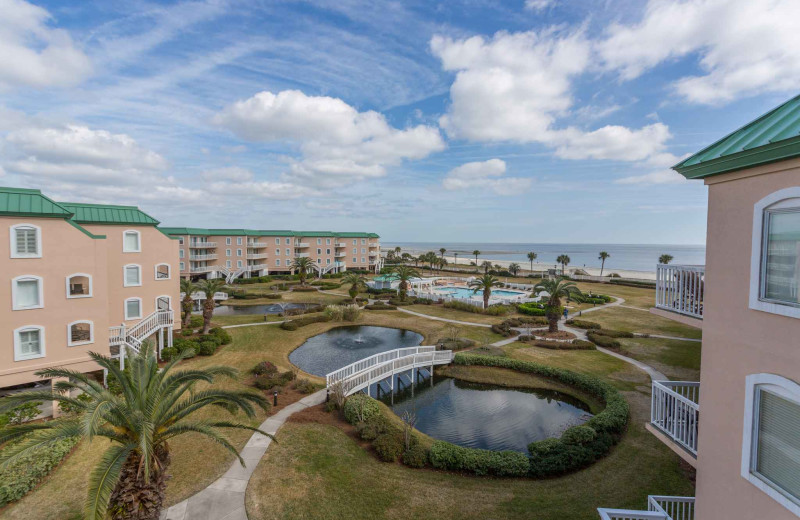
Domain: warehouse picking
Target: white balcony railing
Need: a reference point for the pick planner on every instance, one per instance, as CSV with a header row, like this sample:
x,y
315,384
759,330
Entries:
x,y
340,244
301,255
373,253
199,258
202,269
341,254
199,295
659,508
675,411
302,245
256,245
680,288
256,267
256,256
202,245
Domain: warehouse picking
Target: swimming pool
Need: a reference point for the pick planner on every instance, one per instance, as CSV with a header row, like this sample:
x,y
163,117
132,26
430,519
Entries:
x,y
465,292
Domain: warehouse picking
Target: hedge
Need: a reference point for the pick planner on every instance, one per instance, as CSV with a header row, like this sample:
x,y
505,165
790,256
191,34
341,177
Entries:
x,y
531,309
493,310
612,333
584,324
20,477
304,289
302,322
603,341
552,457
380,306
630,283
360,408
444,455
577,344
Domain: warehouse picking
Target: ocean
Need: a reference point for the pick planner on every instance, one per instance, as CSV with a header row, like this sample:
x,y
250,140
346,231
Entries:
x,y
628,257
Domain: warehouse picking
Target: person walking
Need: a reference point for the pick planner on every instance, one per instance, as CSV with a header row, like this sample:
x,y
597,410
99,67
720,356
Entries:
x,y
566,314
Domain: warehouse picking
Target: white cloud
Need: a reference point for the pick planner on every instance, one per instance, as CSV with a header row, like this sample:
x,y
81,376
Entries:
x,y
34,54
228,173
338,143
486,175
657,177
613,142
538,5
745,47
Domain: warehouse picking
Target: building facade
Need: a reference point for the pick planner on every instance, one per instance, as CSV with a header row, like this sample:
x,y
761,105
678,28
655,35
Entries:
x,y
79,278
746,443
231,253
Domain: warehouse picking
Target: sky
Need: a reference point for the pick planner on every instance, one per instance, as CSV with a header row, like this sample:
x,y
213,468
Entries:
x,y
461,120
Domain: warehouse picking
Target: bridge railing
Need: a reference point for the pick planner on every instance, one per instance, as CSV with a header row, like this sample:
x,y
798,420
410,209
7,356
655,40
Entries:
x,y
376,359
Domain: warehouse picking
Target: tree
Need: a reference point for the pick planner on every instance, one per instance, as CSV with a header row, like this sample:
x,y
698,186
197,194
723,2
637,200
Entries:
x,y
602,258
485,284
513,268
154,407
664,259
564,260
187,288
209,288
302,265
356,282
417,260
486,266
455,259
442,251
441,263
404,275
475,254
531,257
397,251
557,288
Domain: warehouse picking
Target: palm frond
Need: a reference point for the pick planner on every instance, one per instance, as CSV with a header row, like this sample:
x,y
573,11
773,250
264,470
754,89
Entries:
x,y
203,429
104,478
41,437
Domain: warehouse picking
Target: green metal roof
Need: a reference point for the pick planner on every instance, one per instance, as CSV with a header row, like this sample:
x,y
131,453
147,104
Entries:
x,y
261,232
775,136
109,214
30,203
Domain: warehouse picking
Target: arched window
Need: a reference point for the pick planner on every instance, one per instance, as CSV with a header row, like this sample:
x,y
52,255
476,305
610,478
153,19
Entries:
x,y
162,272
770,445
26,241
132,275
79,285
133,308
27,292
80,333
29,342
131,241
163,303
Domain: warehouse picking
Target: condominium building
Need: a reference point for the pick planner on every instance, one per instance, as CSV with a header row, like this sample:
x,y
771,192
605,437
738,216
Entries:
x,y
79,278
231,253
746,443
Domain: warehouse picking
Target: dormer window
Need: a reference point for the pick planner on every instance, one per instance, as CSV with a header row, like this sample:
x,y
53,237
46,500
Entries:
x,y
26,241
79,285
131,242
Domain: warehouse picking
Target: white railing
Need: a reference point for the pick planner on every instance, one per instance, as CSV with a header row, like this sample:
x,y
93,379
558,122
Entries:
x,y
659,508
202,269
256,256
123,336
340,244
301,255
256,267
675,411
373,253
203,257
302,244
341,254
255,245
202,245
199,295
376,359
680,288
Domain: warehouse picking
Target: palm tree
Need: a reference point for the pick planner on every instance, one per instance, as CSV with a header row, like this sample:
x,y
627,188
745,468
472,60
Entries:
x,y
514,268
602,258
356,282
664,259
557,288
209,288
404,274
417,260
485,284
455,259
475,254
302,265
187,288
531,257
397,251
486,266
442,251
441,263
154,407
564,260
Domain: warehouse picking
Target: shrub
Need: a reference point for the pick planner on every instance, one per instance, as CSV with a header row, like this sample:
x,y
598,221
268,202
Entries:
x,y
272,296
222,335
526,321
209,338
603,341
304,386
373,428
444,455
415,456
577,344
397,302
21,476
207,348
494,310
302,322
22,413
334,312
583,324
380,306
389,446
289,325
184,344
360,408
264,367
195,322
167,353
351,313
531,309
69,409
613,333
304,289
504,329
630,283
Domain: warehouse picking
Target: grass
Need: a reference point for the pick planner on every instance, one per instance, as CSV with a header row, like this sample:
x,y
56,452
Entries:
x,y
240,319
454,314
629,320
678,360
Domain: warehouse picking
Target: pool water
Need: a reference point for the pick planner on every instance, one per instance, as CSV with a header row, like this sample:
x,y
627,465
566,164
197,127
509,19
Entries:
x,y
329,351
476,415
464,292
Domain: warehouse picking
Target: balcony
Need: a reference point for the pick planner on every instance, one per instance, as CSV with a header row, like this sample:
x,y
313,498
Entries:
x,y
680,289
340,244
256,245
202,245
374,246
658,508
301,255
202,269
256,267
674,413
302,245
341,254
373,253
257,256
199,258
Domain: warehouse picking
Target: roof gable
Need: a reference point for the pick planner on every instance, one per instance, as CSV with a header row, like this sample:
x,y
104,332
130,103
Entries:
x,y
109,214
30,203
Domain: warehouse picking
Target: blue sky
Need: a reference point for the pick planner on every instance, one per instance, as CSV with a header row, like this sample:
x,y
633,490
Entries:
x,y
518,121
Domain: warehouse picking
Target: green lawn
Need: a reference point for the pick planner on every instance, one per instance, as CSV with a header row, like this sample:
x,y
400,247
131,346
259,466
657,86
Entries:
x,y
678,360
630,320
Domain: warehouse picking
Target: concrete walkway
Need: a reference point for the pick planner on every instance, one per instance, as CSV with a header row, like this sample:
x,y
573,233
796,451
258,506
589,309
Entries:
x,y
436,318
224,498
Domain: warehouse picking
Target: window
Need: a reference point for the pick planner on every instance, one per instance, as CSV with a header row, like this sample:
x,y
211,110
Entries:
x,y
775,256
239,263
319,261
183,266
277,261
227,241
180,253
363,241
327,241
27,293
771,446
133,308
327,251
228,264
288,252
80,333
238,241
163,303
26,241
28,342
227,252
355,260
79,285
319,251
133,275
363,250
238,252
277,252
288,241
162,271
328,261
180,240
363,261
277,241
131,242
355,250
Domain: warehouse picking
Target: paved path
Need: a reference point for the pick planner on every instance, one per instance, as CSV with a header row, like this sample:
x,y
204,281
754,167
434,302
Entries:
x,y
645,336
447,320
224,498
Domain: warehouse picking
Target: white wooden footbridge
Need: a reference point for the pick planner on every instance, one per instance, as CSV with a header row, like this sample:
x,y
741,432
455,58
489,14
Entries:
x,y
364,373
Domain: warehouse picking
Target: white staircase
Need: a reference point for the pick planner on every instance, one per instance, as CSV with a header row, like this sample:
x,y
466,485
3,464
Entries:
x,y
133,337
231,276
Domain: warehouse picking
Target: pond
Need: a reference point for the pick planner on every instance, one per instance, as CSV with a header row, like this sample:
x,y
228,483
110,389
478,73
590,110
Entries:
x,y
272,308
326,352
477,415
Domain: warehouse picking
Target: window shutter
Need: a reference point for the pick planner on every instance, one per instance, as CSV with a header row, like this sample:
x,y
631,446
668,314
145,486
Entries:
x,y
26,241
778,449
29,343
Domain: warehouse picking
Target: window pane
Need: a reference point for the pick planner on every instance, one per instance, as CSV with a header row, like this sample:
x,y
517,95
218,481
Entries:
x,y
27,293
132,308
80,332
162,271
29,344
131,241
131,275
26,241
782,260
778,450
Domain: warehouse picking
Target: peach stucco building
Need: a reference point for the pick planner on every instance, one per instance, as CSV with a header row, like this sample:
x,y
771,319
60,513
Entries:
x,y
79,278
231,253
745,444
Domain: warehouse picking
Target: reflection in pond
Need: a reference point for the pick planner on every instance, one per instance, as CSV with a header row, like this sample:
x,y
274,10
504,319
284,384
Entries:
x,y
326,352
477,415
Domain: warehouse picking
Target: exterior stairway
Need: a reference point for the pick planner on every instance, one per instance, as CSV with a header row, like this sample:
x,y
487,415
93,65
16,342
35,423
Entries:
x,y
132,338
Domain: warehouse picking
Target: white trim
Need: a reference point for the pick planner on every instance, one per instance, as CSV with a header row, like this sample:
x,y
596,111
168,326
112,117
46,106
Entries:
x,y
12,238
138,241
70,343
69,277
141,313
787,389
756,251
125,275
23,278
17,355
169,272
